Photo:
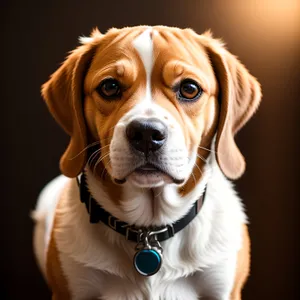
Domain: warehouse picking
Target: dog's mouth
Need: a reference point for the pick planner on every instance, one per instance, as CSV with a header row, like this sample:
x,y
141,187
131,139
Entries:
x,y
149,175
147,168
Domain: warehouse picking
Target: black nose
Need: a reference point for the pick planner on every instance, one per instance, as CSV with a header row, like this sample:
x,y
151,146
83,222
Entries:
x,y
146,135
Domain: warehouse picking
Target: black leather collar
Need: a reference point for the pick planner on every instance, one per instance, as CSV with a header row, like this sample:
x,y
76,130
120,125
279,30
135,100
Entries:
x,y
132,233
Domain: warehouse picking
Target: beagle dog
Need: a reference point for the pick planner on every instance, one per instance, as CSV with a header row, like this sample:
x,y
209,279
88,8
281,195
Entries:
x,y
145,208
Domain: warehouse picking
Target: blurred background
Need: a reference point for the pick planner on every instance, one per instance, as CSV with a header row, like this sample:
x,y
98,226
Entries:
x,y
265,35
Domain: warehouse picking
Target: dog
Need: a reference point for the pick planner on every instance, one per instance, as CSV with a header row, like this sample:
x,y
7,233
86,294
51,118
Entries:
x,y
146,208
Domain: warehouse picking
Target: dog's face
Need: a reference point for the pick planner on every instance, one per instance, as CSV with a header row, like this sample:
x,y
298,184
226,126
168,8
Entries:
x,y
150,99
154,97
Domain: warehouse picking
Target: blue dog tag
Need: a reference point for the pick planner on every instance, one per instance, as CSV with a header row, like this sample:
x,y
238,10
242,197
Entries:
x,y
147,261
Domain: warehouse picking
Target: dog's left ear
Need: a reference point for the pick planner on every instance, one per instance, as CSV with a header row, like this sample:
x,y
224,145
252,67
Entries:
x,y
239,97
63,94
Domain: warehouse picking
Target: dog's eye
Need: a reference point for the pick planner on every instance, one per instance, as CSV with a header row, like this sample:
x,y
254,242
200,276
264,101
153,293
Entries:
x,y
109,89
189,90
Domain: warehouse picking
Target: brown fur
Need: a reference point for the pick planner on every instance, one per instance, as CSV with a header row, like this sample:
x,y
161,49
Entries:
x,y
55,276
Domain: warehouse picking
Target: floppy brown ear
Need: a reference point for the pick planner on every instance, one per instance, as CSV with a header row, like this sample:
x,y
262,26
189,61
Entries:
x,y
63,94
240,95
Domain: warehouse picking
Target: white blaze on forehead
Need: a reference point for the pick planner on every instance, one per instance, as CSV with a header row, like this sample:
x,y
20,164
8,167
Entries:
x,y
144,46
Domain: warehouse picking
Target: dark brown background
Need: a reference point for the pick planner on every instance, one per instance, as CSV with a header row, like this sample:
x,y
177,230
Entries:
x,y
35,38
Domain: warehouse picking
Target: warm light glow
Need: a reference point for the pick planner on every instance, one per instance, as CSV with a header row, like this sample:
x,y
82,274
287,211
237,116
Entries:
x,y
277,17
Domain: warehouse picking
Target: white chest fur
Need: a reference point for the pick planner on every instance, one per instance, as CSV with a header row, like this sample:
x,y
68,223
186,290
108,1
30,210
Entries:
x,y
198,261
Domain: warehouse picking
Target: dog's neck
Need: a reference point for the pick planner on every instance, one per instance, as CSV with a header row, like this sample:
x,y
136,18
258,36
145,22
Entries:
x,y
145,207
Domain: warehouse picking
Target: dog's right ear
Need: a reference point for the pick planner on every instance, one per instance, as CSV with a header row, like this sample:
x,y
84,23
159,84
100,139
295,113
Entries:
x,y
239,97
63,94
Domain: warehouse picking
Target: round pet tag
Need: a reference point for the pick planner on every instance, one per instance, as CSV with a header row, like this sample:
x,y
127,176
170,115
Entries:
x,y
147,261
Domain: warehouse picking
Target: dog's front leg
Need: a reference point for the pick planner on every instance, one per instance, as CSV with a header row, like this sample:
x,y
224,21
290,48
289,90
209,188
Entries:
x,y
217,281
225,280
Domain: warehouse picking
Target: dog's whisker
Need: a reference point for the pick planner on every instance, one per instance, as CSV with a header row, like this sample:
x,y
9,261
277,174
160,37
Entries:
x,y
99,160
104,147
200,147
96,157
93,155
87,147
199,168
194,178
202,158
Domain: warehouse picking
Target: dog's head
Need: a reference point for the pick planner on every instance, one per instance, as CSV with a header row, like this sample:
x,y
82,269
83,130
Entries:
x,y
154,98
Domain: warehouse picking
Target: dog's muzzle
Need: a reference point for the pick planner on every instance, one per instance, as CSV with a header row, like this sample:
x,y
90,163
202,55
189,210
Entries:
x,y
148,140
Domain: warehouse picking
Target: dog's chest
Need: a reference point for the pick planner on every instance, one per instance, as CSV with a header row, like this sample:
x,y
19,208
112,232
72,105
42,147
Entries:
x,y
104,272
98,262
88,283
110,274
